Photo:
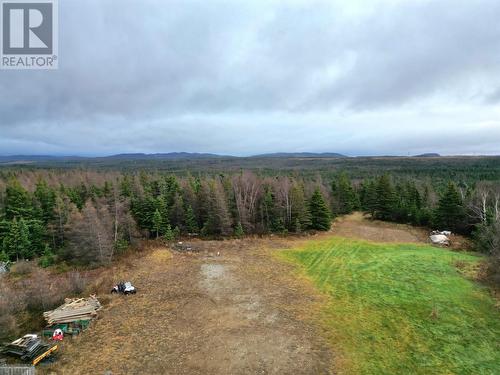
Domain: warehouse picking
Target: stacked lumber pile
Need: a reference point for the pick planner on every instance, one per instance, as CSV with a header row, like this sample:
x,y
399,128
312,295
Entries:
x,y
73,309
28,348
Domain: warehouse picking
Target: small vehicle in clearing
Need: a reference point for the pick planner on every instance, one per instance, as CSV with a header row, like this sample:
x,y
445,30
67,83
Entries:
x,y
124,288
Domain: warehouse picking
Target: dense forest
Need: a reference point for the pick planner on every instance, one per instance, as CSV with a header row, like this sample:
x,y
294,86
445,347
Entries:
x,y
467,169
86,217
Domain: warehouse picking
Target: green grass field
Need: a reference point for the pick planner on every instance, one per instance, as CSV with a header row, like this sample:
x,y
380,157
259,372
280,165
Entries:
x,y
402,308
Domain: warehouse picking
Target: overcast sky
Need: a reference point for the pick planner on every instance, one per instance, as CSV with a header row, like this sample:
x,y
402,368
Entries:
x,y
355,77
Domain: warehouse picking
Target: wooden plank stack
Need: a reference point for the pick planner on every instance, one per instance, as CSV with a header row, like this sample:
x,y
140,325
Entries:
x,y
28,348
73,309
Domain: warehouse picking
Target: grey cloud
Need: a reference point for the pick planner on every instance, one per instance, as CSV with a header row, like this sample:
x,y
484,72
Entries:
x,y
219,75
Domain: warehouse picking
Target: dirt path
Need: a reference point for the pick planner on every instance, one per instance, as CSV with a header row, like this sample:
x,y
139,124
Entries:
x,y
204,314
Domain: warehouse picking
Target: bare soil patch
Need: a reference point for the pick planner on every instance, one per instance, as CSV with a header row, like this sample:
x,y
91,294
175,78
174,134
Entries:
x,y
359,226
202,313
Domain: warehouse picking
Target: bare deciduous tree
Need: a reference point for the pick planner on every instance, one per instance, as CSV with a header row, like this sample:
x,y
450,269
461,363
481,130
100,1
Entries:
x,y
247,190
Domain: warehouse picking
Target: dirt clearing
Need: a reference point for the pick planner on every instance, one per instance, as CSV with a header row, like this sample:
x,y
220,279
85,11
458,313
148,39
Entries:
x,y
359,226
216,307
199,313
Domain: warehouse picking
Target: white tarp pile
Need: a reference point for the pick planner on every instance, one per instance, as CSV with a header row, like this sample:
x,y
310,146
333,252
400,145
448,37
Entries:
x,y
73,309
4,268
440,238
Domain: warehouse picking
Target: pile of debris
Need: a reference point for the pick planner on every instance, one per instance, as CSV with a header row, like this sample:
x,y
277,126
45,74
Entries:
x,y
4,267
73,310
185,247
29,348
440,237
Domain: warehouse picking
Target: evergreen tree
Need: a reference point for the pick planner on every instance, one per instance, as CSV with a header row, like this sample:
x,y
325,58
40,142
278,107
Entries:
x,y
47,259
4,258
450,213
45,198
169,233
386,199
17,243
271,215
191,222
37,233
238,231
17,201
107,190
301,217
344,195
78,195
202,202
218,220
320,214
126,186
369,197
176,212
168,189
143,209
158,223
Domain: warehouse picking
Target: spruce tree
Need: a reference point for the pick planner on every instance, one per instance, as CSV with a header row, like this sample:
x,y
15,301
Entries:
x,y
17,243
126,186
177,215
37,233
320,214
45,198
4,258
218,218
17,201
301,217
344,195
157,222
450,213
271,214
386,199
191,222
369,197
169,233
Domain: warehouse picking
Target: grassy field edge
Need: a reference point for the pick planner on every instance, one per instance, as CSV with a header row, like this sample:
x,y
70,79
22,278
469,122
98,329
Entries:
x,y
400,307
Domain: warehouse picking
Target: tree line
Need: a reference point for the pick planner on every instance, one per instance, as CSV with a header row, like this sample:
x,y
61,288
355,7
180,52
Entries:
x,y
76,220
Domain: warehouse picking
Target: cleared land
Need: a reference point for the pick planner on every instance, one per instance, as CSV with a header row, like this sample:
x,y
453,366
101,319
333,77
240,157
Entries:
x,y
203,314
402,308
327,305
357,226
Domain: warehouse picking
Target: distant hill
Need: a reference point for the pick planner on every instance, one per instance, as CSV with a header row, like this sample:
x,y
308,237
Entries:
x,y
301,155
428,155
168,155
27,159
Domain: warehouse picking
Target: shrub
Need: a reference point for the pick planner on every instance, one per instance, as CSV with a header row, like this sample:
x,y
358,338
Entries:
x,y
22,268
238,231
121,246
76,282
487,239
47,259
169,234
